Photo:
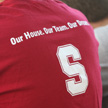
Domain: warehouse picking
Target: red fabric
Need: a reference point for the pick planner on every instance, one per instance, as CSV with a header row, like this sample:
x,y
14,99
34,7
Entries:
x,y
30,73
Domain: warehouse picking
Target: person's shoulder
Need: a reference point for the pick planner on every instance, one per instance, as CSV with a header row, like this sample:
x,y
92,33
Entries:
x,y
102,28
101,32
69,9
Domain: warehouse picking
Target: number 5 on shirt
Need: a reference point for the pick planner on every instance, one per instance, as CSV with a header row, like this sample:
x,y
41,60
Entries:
x,y
72,69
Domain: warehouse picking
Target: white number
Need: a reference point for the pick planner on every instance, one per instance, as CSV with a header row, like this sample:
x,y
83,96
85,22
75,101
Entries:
x,y
72,69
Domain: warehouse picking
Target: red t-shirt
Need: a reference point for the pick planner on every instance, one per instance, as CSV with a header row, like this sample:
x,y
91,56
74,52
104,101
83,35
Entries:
x,y
48,57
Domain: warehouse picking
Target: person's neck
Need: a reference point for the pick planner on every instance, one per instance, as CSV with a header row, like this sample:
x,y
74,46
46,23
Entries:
x,y
1,0
100,23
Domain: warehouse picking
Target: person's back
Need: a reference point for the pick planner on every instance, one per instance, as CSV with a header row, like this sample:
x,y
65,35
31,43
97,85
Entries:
x,y
96,12
48,57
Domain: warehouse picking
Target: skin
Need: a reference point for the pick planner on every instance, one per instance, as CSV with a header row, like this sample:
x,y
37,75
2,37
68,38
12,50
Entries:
x,y
1,0
100,23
